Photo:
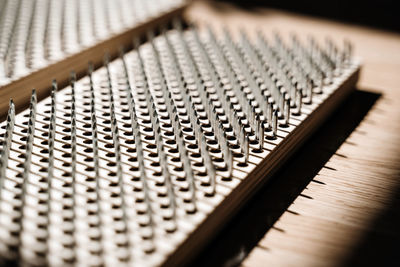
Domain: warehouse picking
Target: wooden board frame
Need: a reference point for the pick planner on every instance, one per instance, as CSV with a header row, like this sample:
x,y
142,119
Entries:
x,y
204,233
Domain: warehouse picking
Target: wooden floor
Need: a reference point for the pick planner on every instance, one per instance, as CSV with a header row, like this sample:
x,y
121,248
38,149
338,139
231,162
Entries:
x,y
349,213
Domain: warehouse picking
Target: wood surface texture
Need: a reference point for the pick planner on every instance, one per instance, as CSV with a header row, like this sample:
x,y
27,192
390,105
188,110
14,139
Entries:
x,y
356,194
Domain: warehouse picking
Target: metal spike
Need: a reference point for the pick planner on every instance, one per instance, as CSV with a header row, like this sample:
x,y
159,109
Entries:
x,y
228,157
7,143
261,132
166,174
27,167
299,101
94,139
287,112
348,50
275,123
211,172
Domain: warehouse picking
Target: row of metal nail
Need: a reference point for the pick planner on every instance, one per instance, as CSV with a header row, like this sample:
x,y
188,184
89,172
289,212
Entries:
x,y
36,33
140,151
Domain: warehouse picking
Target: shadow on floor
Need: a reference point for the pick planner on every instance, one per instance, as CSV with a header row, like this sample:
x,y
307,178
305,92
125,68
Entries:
x,y
380,244
251,223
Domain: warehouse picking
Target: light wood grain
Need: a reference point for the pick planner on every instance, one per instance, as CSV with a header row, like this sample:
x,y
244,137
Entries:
x,y
362,176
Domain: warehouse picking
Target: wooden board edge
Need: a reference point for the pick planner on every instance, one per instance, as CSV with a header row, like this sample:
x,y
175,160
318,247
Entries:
x,y
20,90
238,197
